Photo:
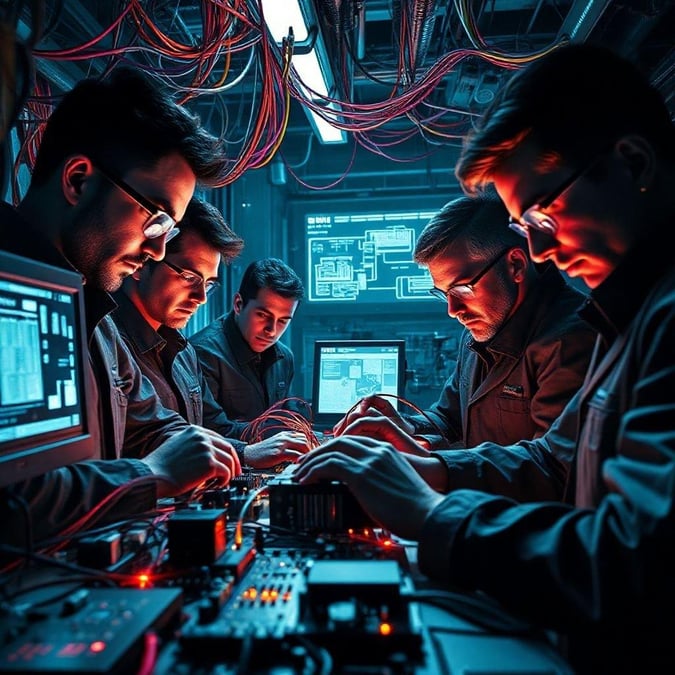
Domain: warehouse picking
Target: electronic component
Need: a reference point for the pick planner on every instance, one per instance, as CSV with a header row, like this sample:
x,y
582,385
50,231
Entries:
x,y
235,561
101,551
356,608
319,507
197,536
99,631
359,604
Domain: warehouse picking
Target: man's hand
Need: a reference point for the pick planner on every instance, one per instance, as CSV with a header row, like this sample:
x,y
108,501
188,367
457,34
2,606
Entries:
x,y
426,463
373,406
386,429
380,477
286,446
190,457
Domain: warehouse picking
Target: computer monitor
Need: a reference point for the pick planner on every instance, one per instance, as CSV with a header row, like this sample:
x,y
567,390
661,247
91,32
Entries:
x,y
43,351
347,370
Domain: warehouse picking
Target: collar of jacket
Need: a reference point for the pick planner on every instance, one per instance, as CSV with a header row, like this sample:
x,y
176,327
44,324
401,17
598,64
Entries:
x,y
514,336
140,333
615,302
19,236
242,352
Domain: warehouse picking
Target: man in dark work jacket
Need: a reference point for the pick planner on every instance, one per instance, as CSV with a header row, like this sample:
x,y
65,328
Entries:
x,y
158,300
116,167
581,149
244,363
524,350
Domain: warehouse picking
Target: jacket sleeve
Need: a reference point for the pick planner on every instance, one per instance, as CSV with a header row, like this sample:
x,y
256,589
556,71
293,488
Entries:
x,y
608,563
527,471
58,499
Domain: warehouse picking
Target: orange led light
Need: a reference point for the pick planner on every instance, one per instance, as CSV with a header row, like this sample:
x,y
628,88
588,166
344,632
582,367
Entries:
x,y
97,646
385,628
143,580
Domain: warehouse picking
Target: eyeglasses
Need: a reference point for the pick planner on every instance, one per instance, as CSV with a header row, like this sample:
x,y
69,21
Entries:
x,y
465,291
193,279
159,222
535,216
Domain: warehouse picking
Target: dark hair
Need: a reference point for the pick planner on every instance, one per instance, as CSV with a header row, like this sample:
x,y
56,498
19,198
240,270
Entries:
x,y
207,221
574,103
126,120
481,221
270,273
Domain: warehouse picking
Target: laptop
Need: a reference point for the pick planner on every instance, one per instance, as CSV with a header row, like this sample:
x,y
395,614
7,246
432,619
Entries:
x,y
345,371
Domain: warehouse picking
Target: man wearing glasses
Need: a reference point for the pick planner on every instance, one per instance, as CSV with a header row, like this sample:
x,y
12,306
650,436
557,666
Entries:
x,y
580,147
158,300
524,350
116,168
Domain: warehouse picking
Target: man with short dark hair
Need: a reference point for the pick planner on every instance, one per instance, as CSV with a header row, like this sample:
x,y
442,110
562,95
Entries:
x,y
159,299
116,168
245,365
524,351
581,150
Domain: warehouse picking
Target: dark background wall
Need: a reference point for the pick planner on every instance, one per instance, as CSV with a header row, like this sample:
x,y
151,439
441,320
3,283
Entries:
x,y
271,219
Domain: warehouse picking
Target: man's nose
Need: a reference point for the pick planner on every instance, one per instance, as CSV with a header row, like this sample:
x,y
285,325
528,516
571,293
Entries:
x,y
198,292
155,248
541,245
455,306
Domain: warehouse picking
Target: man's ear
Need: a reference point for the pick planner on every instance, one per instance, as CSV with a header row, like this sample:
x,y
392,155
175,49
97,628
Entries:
x,y
76,171
518,262
640,158
237,303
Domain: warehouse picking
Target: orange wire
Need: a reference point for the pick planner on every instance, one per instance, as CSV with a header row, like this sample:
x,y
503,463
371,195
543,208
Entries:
x,y
410,404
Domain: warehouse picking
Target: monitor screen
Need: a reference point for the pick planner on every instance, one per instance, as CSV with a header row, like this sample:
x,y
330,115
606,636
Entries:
x,y
347,370
43,401
365,257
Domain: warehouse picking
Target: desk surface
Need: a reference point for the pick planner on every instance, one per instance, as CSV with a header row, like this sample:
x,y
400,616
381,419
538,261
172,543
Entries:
x,y
276,602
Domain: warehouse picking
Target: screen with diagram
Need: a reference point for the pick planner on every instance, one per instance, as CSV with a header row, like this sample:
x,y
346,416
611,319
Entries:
x,y
365,257
345,371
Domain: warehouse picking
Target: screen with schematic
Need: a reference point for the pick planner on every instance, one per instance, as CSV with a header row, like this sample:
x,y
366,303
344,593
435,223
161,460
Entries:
x,y
365,257
345,371
43,402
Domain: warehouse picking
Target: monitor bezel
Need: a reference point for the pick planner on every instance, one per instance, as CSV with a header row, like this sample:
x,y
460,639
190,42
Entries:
x,y
326,420
22,460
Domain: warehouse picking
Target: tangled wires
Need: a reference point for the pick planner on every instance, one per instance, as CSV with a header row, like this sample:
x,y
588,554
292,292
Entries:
x,y
283,417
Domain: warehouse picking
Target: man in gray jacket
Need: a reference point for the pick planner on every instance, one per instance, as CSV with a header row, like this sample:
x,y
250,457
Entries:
x,y
158,300
524,351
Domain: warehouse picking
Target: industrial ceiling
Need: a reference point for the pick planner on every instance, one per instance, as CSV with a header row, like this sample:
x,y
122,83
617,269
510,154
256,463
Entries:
x,y
405,79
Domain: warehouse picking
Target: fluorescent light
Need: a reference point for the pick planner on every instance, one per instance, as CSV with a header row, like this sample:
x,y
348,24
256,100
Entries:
x,y
308,68
326,132
280,14
311,67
